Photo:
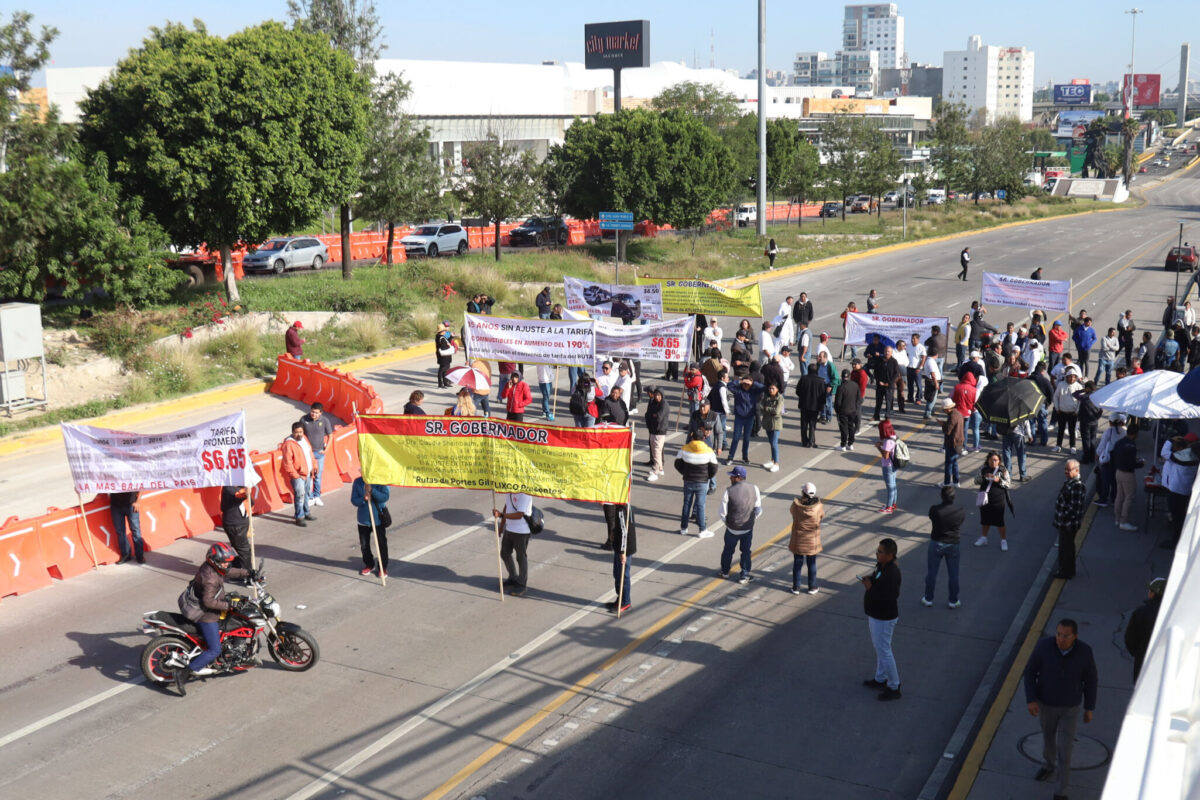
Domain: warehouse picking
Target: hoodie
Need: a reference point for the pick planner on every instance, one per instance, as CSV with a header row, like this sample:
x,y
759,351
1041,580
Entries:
x,y
964,395
806,527
696,462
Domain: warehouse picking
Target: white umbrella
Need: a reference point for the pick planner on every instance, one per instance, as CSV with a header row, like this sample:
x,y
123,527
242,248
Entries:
x,y
1150,395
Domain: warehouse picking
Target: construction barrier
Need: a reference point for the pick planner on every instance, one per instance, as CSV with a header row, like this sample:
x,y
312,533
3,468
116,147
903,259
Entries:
x,y
65,547
345,452
265,497
22,567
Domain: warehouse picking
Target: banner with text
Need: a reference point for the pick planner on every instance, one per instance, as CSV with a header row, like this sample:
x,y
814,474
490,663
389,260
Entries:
x,y
702,297
669,340
210,454
895,327
589,464
603,300
1009,290
554,342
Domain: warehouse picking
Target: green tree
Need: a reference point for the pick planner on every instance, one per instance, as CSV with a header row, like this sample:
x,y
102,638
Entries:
x,y
1008,162
1041,140
781,153
712,105
1163,116
231,140
501,181
951,145
1111,158
805,174
696,173
879,169
1130,128
842,142
400,180
351,27
24,52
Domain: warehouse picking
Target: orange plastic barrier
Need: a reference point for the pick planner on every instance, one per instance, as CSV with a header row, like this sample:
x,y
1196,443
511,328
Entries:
x,y
64,541
160,518
330,476
345,452
22,567
289,376
325,383
266,493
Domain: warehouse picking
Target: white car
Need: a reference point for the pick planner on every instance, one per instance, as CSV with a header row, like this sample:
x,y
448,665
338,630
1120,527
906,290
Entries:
x,y
746,215
434,239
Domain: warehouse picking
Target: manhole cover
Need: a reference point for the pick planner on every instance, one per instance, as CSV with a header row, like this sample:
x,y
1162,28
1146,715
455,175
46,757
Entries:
x,y
1089,753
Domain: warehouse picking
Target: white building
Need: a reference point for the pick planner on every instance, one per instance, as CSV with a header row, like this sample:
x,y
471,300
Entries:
x,y
997,81
878,28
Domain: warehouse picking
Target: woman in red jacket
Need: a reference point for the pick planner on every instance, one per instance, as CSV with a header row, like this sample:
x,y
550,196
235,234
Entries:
x,y
516,393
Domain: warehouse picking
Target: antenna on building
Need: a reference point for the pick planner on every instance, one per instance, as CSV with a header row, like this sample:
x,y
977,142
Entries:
x,y
712,48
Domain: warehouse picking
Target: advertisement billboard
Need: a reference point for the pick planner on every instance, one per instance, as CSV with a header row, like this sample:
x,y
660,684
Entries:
x,y
616,45
1071,94
1145,87
1073,124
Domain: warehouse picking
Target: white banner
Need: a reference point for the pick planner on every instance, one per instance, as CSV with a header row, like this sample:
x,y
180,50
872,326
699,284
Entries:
x,y
210,454
1009,290
893,327
603,300
669,340
531,341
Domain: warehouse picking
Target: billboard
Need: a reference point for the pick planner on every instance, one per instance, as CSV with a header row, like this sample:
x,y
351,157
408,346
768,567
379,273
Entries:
x,y
616,45
1071,94
1073,124
1145,89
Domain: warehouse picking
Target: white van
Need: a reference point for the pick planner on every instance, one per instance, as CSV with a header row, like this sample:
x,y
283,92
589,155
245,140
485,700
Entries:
x,y
935,197
746,215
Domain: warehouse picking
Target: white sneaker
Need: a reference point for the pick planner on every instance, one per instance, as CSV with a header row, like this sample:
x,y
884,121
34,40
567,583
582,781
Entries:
x,y
683,531
204,671
653,476
955,604
926,603
316,501
774,468
1004,545
849,447
841,448
981,541
706,534
1056,449
964,452
1127,526
813,590
1074,451
768,465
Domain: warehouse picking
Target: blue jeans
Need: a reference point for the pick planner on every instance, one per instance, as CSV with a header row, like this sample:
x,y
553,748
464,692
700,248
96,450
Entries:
x,y
938,551
960,352
951,466
1042,434
885,662
694,496
889,480
742,541
1014,443
546,315
1104,365
773,438
718,434
930,402
974,421
547,393
572,377
315,478
485,407
211,631
798,563
584,420
300,496
829,406
741,432
121,516
626,599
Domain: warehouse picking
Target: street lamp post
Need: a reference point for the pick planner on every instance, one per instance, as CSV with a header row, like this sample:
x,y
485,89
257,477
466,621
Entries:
x,y
1181,222
760,224
1133,12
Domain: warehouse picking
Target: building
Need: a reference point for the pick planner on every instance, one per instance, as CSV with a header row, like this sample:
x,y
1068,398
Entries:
x,y
918,80
860,69
878,28
993,82
805,68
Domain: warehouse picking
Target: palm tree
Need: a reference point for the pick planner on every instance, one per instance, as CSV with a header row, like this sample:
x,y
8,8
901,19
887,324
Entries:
x,y
1129,130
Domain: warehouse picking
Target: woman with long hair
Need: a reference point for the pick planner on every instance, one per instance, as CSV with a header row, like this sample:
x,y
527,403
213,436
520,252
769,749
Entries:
x,y
994,482
464,406
887,448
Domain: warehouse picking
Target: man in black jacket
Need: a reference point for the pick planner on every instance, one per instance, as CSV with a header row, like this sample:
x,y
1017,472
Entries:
x,y
658,414
739,355
810,390
1141,625
883,610
886,375
612,408
622,540
1061,674
802,310
236,524
847,405
772,374
947,518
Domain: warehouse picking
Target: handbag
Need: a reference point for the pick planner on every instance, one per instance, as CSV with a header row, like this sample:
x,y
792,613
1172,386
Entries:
x,y
385,517
981,498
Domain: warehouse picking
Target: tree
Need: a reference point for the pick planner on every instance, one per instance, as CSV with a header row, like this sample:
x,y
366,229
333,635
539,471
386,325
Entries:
x,y
715,107
1041,140
351,27
400,180
950,145
1163,116
1006,144
24,53
879,169
231,140
1111,158
695,175
781,153
1130,128
805,173
842,141
501,181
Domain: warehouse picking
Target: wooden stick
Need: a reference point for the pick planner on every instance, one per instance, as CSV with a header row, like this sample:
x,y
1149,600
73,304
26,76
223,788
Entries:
x,y
375,536
679,419
250,531
88,531
499,561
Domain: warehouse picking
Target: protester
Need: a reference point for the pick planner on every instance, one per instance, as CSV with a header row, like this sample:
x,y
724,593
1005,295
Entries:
x,y
296,463
805,543
745,400
1066,409
1058,338
514,540
658,414
582,404
945,535
236,524
1178,475
1084,337
1106,487
413,406
464,406
851,308
544,303
887,448
1110,346
847,405
693,387
872,302
770,405
882,608
886,376
443,344
1125,461
859,376
319,432
122,508
506,369
740,506
517,397
698,465
810,394
964,400
1141,624
900,354
917,355
1125,330
964,260
622,528
803,344
721,401
612,408
545,376
829,376
1068,514
292,341
962,341
1040,379
371,511
952,442
1061,675
1014,445
994,483
713,336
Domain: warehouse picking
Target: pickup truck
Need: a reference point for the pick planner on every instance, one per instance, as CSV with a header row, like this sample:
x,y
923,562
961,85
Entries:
x,y
746,215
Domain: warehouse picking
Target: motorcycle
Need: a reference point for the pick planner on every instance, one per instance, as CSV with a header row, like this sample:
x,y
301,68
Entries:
x,y
249,622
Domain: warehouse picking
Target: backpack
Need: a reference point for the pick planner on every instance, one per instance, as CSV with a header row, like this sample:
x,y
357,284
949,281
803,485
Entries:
x,y
900,456
577,406
535,520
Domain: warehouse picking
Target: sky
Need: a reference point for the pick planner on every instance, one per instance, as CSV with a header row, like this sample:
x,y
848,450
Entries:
x,y
1090,41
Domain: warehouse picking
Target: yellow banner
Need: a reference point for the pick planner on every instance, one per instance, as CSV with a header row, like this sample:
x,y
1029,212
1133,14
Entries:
x,y
703,297
589,464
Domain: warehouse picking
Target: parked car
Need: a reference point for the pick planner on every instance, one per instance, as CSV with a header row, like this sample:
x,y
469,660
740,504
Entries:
x,y
831,210
436,238
935,197
537,231
746,215
891,197
862,204
1181,258
1143,170
286,252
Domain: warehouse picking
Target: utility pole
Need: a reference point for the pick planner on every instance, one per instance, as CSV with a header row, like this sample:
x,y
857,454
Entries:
x,y
1133,12
761,225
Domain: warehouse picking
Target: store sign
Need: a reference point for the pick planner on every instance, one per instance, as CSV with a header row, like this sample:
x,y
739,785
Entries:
x,y
1068,94
616,45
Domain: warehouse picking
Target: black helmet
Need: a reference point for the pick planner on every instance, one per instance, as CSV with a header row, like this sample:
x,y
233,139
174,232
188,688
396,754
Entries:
x,y
220,556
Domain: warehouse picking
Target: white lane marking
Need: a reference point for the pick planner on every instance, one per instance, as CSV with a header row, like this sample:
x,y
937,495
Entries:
x,y
952,305
82,705
429,548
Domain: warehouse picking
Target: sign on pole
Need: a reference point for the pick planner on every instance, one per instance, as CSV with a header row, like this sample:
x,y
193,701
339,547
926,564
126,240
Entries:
x,y
616,220
601,301
657,341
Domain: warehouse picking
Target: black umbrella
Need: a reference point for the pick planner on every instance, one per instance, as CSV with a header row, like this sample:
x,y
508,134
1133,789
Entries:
x,y
1007,401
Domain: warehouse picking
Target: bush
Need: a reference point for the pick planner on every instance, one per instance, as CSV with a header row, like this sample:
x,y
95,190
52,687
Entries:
x,y
367,334
123,334
241,345
174,371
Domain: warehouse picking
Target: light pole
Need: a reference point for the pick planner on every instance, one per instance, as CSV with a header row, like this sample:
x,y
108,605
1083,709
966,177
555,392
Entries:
x,y
1181,222
761,225
1133,12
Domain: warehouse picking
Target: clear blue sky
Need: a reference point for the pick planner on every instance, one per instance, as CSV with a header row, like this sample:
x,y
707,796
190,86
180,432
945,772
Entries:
x,y
1084,40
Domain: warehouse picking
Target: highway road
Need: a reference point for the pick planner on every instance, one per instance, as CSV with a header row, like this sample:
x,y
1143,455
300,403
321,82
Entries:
x,y
434,687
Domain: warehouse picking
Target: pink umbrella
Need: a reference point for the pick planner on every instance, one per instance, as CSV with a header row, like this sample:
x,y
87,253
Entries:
x,y
474,379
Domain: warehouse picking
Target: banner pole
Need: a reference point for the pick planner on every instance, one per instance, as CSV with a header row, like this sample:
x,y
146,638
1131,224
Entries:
x,y
87,531
374,535
554,393
625,530
250,529
499,562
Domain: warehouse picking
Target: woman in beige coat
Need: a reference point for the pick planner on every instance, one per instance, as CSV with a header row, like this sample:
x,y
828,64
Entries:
x,y
807,512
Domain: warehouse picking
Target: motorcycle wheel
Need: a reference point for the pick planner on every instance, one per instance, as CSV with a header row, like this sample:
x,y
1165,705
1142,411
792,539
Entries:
x,y
155,655
295,651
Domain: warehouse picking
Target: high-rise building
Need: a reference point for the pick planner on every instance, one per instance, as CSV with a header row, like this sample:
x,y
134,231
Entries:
x,y
805,68
875,27
995,82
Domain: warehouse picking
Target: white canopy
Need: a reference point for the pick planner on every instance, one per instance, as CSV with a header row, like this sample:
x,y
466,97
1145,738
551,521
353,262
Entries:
x,y
1150,395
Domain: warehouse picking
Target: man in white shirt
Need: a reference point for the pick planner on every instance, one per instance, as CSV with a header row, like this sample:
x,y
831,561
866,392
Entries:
x,y
545,377
767,344
624,382
931,384
823,346
900,353
514,539
916,360
712,336
785,307
606,376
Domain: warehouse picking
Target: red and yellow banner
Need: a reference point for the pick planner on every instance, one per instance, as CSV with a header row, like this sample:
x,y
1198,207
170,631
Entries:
x,y
589,464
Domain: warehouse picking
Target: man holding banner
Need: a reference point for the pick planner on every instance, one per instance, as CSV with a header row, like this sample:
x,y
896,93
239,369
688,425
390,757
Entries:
x,y
514,539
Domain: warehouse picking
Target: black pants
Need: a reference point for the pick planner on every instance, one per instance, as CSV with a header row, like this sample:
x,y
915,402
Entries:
x,y
1127,345
518,544
364,544
672,371
443,367
240,540
1066,422
1087,436
1084,355
519,416
963,274
808,428
1066,551
847,425
884,395
900,394
913,385
1177,507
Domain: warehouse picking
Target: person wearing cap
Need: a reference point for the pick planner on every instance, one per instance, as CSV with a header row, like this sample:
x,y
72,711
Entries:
x,y
1058,338
1110,346
713,335
740,506
622,541
697,463
292,341
823,346
1066,408
805,542
1125,329
1068,515
745,401
1178,475
1124,462
658,415
945,538
1141,624
544,303
1106,479
952,441
443,345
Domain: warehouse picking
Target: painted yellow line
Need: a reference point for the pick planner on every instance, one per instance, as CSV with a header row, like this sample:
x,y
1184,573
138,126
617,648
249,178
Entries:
x,y
510,738
973,763
1157,242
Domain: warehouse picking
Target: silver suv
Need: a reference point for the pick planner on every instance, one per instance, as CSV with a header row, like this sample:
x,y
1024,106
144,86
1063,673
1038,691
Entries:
x,y
286,252
435,238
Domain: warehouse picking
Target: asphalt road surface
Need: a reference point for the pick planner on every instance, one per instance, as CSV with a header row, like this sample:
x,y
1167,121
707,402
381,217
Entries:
x,y
434,687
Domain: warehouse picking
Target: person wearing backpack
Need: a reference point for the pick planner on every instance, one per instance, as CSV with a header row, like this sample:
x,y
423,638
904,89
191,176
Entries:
x,y
887,447
582,404
514,540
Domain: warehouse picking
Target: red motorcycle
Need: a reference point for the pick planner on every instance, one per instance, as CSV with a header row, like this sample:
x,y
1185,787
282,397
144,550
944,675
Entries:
x,y
249,623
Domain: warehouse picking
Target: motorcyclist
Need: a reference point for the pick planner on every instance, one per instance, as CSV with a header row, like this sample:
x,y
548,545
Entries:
x,y
204,603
